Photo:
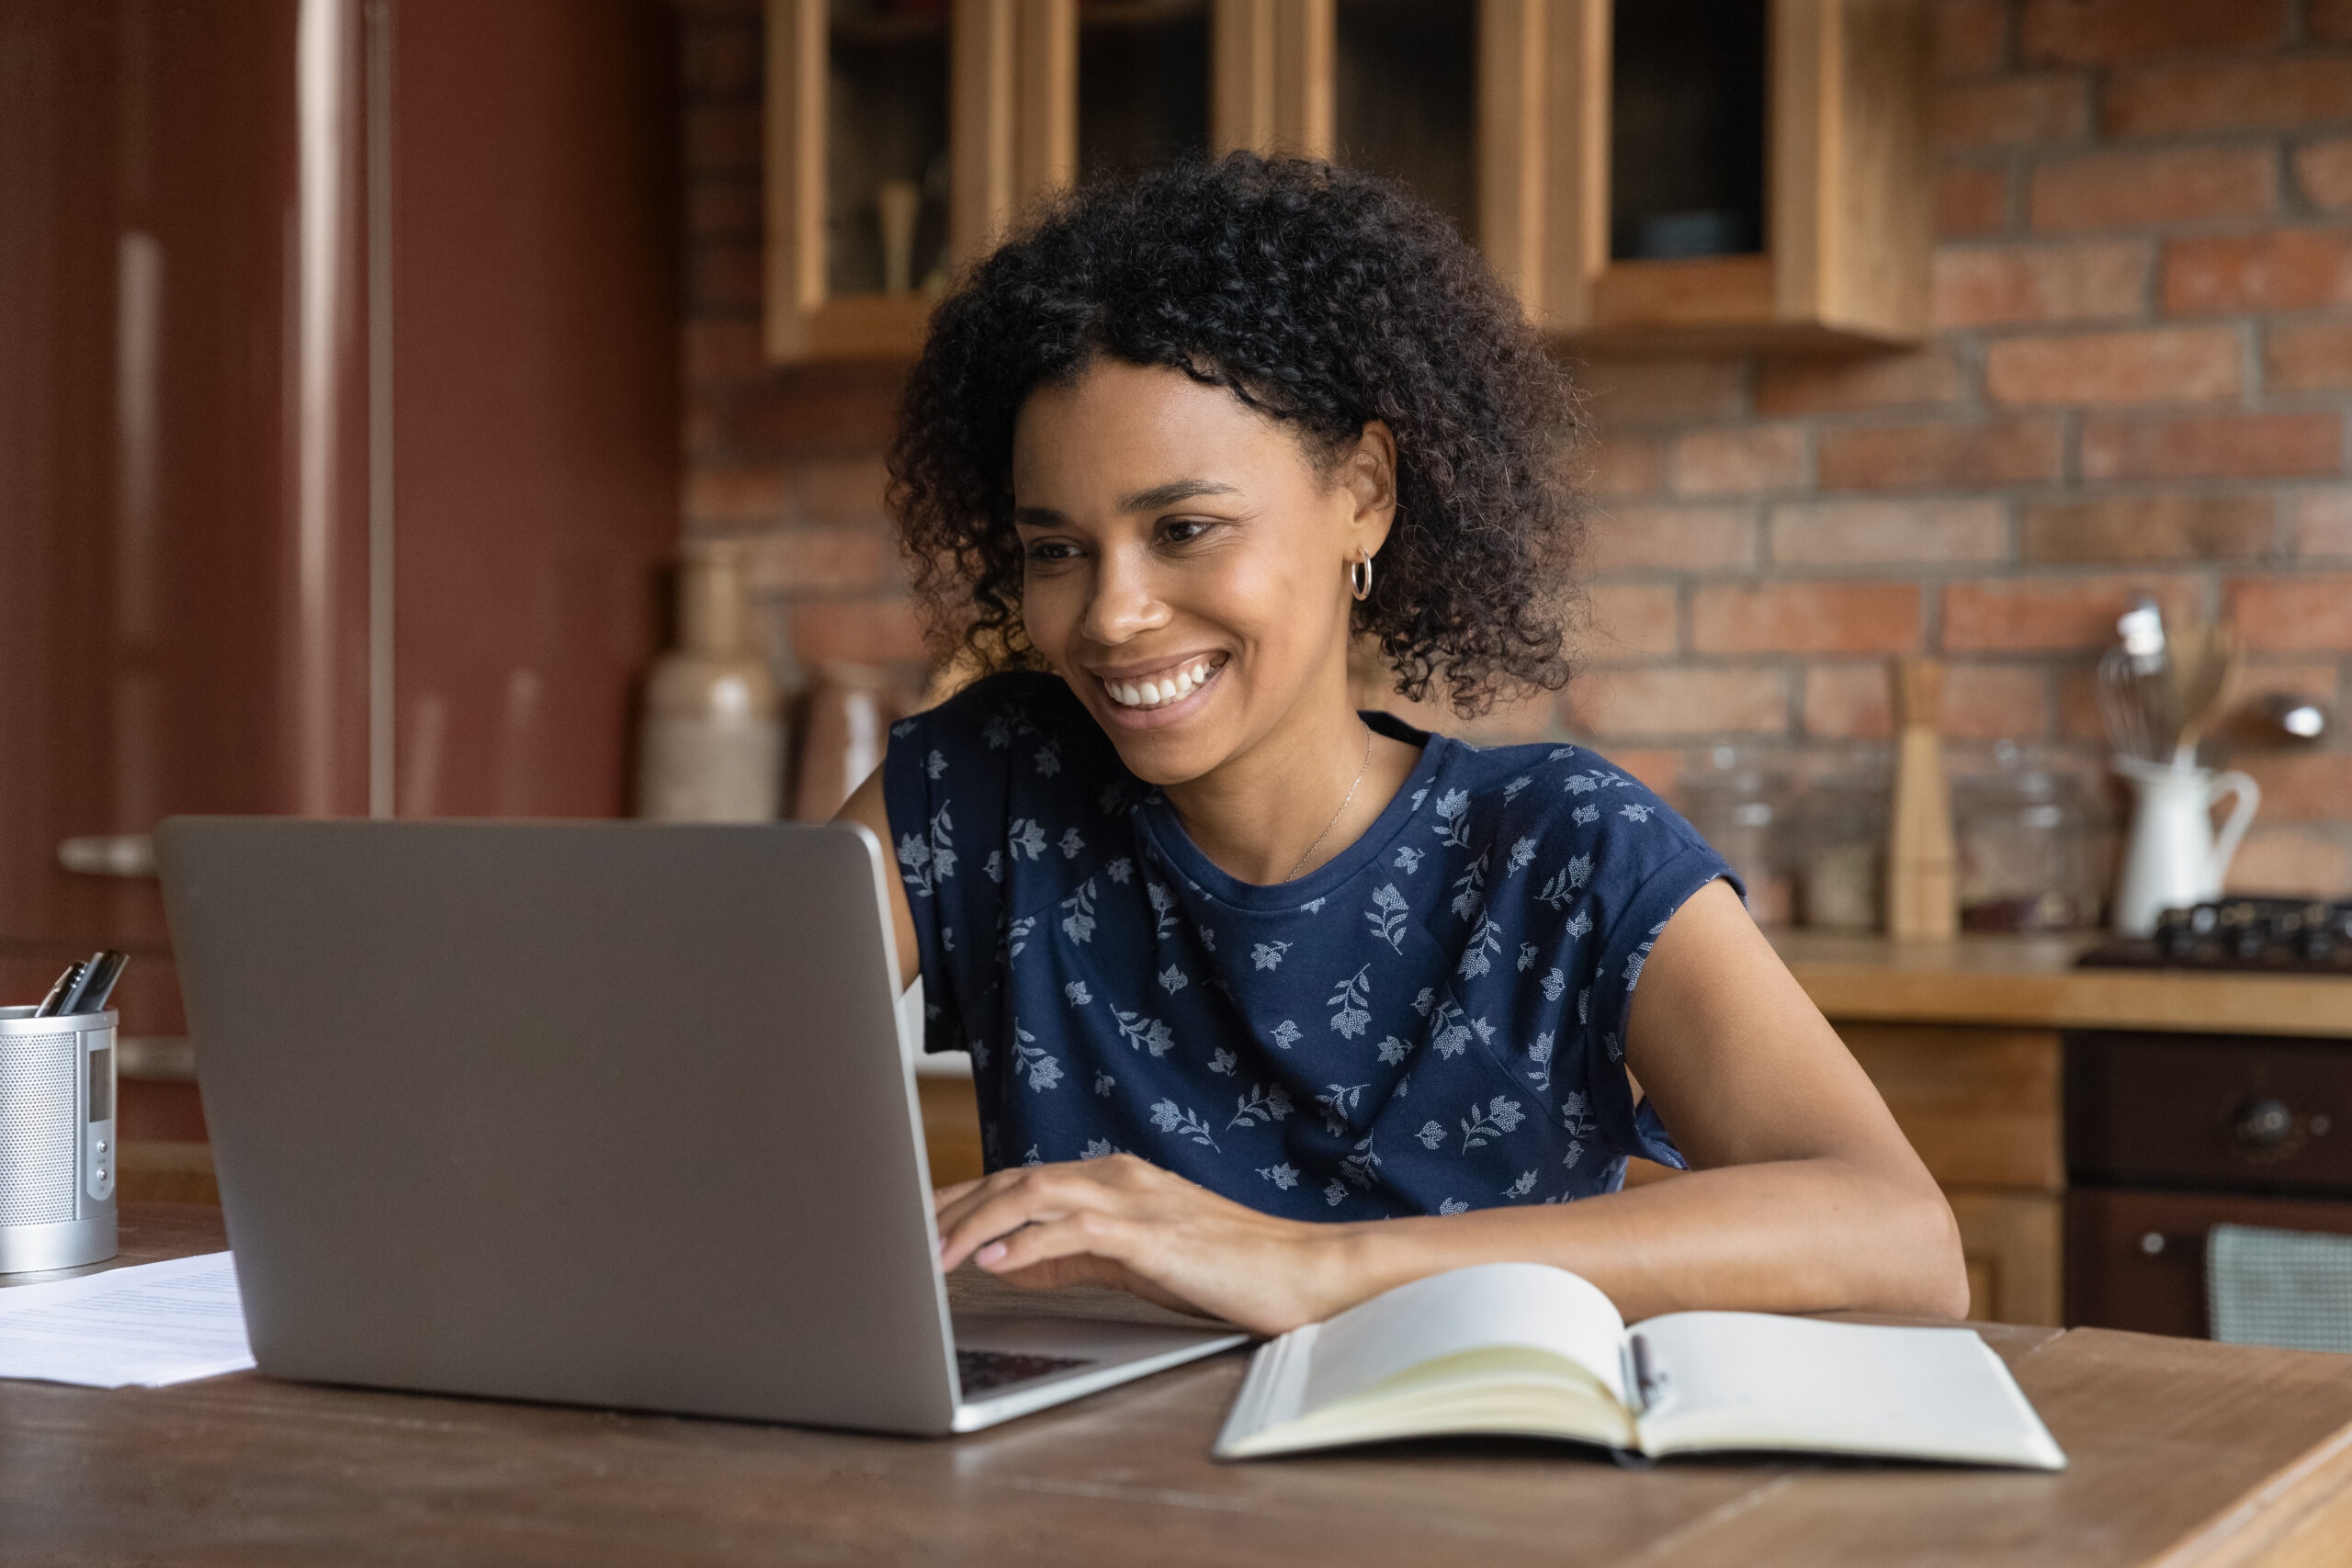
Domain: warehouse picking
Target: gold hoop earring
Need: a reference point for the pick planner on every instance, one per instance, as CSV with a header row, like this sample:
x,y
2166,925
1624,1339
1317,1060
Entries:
x,y
1360,576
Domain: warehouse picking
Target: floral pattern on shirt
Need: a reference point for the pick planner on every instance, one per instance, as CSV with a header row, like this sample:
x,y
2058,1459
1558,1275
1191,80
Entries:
x,y
1430,1023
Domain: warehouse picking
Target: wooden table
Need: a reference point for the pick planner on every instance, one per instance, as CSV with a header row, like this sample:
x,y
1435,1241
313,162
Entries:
x,y
2184,1453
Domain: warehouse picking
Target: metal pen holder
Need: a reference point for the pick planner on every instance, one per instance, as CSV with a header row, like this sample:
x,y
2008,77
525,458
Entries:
x,y
57,1140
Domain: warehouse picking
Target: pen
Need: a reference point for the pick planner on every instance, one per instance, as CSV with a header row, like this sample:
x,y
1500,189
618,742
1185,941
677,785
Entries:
x,y
97,985
78,995
53,1003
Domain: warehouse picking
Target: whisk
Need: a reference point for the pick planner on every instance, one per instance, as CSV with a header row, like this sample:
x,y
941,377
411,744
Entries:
x,y
2135,687
2158,693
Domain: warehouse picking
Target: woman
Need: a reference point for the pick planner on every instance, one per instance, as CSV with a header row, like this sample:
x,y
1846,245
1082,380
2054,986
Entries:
x,y
1241,970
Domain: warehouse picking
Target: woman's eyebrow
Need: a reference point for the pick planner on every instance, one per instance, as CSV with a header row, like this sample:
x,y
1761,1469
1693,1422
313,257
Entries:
x,y
1153,500
1171,494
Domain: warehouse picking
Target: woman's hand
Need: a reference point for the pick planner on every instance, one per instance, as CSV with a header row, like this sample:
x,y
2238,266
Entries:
x,y
1122,1222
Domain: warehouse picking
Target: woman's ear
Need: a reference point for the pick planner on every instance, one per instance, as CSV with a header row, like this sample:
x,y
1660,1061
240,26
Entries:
x,y
1371,478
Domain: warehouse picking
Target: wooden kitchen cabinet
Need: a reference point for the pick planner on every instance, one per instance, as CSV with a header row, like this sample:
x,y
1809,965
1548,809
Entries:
x,y
1819,185
1573,140
1981,1107
978,110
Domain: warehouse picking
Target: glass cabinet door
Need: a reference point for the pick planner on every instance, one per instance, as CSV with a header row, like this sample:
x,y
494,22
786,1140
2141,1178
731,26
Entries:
x,y
885,147
1143,84
1686,129
1404,99
859,101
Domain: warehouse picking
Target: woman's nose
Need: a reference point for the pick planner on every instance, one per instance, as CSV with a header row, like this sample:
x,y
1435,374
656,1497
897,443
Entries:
x,y
1125,603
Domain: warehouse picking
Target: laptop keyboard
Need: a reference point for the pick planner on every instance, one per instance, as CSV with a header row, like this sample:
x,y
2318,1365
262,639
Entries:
x,y
979,1370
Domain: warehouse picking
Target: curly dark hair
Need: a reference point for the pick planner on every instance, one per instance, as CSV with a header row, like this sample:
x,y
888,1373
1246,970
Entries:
x,y
1321,296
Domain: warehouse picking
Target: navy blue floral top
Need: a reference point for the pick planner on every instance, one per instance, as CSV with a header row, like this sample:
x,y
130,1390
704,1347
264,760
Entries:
x,y
1433,1021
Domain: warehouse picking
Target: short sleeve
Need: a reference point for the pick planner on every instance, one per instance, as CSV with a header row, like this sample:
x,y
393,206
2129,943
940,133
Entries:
x,y
1641,861
944,788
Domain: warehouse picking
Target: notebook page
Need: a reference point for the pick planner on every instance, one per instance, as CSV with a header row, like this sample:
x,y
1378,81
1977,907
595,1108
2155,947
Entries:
x,y
1486,1306
1750,1380
149,1325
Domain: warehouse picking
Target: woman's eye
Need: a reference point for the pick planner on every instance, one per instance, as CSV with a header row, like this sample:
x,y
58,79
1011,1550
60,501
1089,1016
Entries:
x,y
1051,550
1183,530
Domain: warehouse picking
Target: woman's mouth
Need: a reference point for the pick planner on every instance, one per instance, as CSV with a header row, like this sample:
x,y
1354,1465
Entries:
x,y
1163,688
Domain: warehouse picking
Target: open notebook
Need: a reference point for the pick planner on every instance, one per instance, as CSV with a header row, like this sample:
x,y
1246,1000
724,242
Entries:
x,y
1526,1349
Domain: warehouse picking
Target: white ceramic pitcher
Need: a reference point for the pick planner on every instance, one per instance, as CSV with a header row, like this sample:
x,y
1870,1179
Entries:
x,y
2174,857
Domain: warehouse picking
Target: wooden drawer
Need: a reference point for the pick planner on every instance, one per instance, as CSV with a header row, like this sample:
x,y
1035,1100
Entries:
x,y
1980,1105
2210,1111
2136,1259
2010,1242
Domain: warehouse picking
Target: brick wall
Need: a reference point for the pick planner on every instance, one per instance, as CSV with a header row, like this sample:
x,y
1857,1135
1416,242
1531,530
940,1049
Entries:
x,y
2139,383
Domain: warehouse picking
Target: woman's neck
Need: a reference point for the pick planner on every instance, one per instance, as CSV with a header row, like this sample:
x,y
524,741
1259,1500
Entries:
x,y
1258,812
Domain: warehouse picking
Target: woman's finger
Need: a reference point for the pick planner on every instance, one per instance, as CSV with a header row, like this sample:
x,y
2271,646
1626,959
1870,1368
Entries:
x,y
1089,1233
942,1196
952,1206
1037,1197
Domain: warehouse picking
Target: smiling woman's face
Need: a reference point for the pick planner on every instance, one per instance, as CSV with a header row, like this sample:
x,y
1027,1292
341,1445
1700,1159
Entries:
x,y
1186,563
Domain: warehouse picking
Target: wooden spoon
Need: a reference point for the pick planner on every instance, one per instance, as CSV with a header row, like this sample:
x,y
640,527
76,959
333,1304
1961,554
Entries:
x,y
2205,666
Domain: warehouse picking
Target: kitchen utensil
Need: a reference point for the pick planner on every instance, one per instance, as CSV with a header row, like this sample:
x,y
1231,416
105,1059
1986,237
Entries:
x,y
2135,687
1922,882
2280,718
2173,856
2204,665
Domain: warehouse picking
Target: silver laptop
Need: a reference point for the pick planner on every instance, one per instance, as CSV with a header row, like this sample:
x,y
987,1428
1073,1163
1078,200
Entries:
x,y
600,1114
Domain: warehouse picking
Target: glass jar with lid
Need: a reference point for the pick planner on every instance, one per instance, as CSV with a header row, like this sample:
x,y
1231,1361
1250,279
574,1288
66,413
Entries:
x,y
1740,806
2024,857
1839,843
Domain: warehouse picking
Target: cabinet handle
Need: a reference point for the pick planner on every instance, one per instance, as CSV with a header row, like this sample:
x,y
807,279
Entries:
x,y
109,854
2156,1243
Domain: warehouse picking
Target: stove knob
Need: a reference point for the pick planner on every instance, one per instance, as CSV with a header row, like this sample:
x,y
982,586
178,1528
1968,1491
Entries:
x,y
2263,1124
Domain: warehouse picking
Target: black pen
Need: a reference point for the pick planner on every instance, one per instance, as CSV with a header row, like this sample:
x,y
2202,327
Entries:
x,y
77,998
51,1004
98,983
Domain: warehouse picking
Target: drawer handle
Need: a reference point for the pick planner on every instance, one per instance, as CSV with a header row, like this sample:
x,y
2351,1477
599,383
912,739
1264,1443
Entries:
x,y
2156,1243
109,854
2264,1131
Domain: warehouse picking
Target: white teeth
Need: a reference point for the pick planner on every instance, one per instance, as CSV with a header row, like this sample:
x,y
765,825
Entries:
x,y
1166,689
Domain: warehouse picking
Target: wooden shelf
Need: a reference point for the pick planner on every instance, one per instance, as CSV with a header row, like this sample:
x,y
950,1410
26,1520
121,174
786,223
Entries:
x,y
865,327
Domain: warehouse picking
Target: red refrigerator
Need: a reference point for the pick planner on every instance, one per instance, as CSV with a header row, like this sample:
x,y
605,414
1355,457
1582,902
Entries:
x,y
338,440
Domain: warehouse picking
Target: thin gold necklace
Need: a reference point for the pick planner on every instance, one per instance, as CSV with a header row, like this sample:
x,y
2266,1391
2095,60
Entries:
x,y
1293,875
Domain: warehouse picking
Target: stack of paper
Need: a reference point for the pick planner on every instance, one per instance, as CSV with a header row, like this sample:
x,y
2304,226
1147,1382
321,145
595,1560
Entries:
x,y
148,1326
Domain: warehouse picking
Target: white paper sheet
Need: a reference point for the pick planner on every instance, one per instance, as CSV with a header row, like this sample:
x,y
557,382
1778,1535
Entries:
x,y
147,1326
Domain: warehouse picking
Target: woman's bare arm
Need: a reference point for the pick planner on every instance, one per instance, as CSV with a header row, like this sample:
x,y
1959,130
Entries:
x,y
865,806
1804,1194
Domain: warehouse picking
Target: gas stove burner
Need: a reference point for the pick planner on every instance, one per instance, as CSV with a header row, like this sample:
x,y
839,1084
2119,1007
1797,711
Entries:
x,y
2291,936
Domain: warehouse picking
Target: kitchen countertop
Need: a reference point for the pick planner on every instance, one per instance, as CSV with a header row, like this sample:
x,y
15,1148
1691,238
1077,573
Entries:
x,y
2030,982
